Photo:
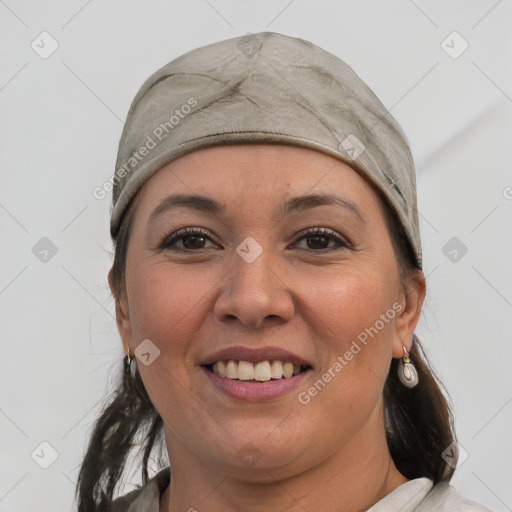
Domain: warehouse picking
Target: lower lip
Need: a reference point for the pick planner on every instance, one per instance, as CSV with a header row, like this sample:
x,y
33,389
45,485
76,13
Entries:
x,y
255,391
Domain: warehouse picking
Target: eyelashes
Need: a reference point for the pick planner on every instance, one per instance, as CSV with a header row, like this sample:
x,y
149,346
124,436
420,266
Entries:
x,y
183,234
320,233
193,239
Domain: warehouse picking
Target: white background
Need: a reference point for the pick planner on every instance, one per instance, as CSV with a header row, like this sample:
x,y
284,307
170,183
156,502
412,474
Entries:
x,y
61,119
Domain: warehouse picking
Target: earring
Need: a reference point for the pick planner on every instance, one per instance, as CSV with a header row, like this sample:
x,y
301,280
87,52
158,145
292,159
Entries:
x,y
406,371
127,363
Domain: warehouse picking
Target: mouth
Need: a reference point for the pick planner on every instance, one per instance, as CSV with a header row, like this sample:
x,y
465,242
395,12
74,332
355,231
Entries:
x,y
256,372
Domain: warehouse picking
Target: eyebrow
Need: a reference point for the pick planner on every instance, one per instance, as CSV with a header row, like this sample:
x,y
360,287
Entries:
x,y
297,204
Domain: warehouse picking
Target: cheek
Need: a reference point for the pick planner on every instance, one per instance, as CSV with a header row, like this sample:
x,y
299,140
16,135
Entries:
x,y
352,317
345,305
167,308
164,305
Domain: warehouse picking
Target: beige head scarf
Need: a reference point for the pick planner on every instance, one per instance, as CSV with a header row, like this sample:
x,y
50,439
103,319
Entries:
x,y
265,88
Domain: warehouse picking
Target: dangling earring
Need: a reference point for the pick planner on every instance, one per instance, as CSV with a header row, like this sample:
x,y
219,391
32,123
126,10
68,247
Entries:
x,y
406,371
128,363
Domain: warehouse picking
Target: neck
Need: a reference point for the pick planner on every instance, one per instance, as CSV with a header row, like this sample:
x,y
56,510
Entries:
x,y
363,474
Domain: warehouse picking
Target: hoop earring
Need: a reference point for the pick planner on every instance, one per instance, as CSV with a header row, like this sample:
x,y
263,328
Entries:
x,y
406,371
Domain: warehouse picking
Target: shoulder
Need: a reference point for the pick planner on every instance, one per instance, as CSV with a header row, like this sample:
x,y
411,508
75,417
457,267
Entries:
x,y
420,495
122,504
146,498
444,497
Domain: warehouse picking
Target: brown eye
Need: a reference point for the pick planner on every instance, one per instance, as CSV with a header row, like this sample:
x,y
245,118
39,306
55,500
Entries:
x,y
320,238
190,238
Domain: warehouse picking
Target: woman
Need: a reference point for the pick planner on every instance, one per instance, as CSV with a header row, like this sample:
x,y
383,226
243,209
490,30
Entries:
x,y
268,282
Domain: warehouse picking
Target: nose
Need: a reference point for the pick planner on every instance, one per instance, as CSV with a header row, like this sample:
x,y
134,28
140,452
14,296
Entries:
x,y
254,293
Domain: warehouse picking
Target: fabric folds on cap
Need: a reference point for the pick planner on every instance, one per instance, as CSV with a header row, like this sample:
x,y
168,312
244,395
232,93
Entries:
x,y
265,88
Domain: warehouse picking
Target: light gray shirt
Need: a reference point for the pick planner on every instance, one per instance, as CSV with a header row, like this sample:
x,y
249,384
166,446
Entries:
x,y
418,495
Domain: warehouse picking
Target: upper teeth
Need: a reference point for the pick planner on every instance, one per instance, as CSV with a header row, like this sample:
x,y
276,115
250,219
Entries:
x,y
263,371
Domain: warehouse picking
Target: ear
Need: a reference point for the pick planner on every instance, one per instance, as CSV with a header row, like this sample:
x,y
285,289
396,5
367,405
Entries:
x,y
412,301
124,325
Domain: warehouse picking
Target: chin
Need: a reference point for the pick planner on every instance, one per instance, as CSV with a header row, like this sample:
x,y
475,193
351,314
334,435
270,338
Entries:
x,y
267,447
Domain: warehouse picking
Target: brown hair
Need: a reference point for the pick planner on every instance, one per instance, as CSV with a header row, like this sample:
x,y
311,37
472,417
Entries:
x,y
419,421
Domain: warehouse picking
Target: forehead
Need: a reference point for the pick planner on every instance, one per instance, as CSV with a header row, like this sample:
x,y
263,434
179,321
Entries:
x,y
264,172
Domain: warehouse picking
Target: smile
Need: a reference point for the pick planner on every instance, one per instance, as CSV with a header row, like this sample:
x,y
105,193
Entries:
x,y
255,374
262,371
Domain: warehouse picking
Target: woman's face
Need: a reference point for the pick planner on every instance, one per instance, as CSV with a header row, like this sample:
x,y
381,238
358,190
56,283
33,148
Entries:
x,y
265,273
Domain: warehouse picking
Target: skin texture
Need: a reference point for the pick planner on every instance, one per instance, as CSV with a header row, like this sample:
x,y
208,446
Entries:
x,y
311,297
